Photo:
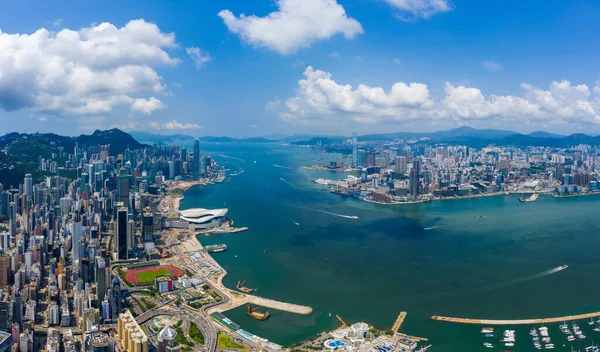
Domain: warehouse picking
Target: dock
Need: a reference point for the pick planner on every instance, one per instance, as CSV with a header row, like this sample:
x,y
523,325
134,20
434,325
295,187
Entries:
x,y
341,321
398,322
515,321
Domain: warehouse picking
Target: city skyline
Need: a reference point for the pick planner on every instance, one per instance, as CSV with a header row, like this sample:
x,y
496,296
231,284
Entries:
x,y
253,69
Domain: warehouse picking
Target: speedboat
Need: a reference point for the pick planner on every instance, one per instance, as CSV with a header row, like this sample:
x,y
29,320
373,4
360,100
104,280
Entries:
x,y
488,335
581,336
509,344
570,338
591,322
488,345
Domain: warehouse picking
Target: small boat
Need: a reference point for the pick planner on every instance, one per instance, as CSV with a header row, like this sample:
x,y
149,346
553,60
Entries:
x,y
487,330
509,344
488,335
488,345
591,322
581,337
570,338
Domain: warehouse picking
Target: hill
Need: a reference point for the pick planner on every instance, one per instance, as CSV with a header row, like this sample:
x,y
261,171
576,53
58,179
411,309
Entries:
x,y
21,153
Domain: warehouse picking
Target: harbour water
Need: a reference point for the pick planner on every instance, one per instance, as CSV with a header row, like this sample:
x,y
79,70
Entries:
x,y
426,259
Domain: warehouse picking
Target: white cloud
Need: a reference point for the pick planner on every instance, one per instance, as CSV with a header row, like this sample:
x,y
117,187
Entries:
x,y
273,105
296,24
42,119
321,100
413,9
319,96
198,56
174,125
492,66
397,61
147,106
85,72
334,54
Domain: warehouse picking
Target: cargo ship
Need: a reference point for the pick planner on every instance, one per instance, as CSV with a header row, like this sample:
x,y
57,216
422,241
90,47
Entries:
x,y
240,286
213,248
533,198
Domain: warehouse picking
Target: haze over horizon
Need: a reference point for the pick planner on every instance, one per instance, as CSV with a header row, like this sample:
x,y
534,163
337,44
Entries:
x,y
245,69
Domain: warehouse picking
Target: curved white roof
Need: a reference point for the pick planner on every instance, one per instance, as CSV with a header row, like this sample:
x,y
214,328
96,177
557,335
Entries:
x,y
201,215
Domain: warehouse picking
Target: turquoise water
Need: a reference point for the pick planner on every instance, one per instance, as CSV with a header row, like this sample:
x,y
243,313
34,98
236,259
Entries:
x,y
385,262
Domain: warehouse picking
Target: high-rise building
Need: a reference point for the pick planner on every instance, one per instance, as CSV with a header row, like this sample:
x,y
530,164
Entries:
x,y
147,227
354,149
196,166
120,233
123,186
100,278
5,342
17,308
115,297
76,232
203,165
5,199
401,165
28,186
4,267
414,179
4,309
130,233
12,218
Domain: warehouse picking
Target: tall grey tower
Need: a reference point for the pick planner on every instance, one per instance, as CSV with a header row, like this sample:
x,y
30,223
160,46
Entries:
x,y
354,149
414,179
196,156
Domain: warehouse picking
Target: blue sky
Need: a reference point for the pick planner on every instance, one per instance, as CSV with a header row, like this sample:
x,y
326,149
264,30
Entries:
x,y
313,66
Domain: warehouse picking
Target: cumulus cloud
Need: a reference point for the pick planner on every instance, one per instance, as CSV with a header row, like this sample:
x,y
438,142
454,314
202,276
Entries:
x,y
198,56
319,96
296,24
147,106
492,66
414,9
84,72
273,105
320,99
174,125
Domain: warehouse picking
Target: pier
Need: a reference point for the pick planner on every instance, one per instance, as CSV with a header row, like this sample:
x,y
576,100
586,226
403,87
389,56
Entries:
x,y
515,321
398,322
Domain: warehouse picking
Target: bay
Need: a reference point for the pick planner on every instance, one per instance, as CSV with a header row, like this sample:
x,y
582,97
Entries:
x,y
425,259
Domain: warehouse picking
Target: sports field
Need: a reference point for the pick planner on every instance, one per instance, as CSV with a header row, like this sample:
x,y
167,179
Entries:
x,y
146,276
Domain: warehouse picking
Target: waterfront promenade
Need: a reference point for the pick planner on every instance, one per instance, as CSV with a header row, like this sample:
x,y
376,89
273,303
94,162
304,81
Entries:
x,y
235,298
515,321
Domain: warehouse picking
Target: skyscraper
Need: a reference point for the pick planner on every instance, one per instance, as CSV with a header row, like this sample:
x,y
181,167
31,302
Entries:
x,y
100,278
121,233
147,227
28,186
354,149
414,179
401,165
4,266
196,166
123,186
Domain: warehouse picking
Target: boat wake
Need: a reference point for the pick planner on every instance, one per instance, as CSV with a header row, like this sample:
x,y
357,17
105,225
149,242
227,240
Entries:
x,y
231,157
287,182
353,217
430,228
527,278
282,167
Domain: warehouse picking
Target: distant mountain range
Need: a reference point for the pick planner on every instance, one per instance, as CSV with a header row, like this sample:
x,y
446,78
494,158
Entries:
x,y
181,139
466,136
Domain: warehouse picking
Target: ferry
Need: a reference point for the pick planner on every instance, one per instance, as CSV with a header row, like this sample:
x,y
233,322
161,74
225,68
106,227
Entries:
x,y
214,248
533,198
